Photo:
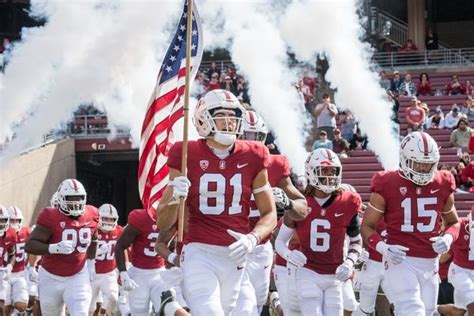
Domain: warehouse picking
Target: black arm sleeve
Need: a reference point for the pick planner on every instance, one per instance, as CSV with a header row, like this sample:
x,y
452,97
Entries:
x,y
353,229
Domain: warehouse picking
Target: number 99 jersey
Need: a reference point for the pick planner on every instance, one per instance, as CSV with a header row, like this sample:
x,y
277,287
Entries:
x,y
219,196
412,212
144,255
63,227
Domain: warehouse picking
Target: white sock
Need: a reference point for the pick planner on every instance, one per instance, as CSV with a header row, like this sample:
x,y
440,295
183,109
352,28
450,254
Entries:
x,y
171,308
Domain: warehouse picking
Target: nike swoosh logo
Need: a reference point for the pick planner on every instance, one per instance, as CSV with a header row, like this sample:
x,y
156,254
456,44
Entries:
x,y
239,268
337,215
239,166
265,267
434,191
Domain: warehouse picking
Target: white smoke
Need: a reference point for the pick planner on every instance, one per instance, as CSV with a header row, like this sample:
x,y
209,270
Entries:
x,y
87,52
249,31
333,28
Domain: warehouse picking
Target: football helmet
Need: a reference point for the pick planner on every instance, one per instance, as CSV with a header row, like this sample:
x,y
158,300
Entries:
x,y
54,203
108,217
71,197
254,127
323,170
418,150
16,217
205,116
4,220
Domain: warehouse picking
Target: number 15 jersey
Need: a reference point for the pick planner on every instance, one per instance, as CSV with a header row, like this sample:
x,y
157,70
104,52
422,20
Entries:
x,y
219,196
412,212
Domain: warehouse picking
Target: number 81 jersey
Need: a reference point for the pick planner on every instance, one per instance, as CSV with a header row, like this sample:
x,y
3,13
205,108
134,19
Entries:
x,y
63,227
219,196
412,212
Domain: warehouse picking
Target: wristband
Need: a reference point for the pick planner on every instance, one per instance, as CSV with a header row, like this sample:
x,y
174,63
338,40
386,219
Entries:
x,y
373,240
453,231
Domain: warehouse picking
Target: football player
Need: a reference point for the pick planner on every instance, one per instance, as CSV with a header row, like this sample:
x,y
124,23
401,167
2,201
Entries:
x,y
461,270
105,266
142,279
333,213
66,238
222,174
412,201
287,198
18,289
7,256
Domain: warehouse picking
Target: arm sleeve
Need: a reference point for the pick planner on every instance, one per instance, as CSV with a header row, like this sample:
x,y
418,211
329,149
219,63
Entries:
x,y
44,219
353,229
282,240
376,185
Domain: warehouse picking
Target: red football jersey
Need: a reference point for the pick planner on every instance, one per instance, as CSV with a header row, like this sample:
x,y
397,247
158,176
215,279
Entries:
x,y
219,196
278,169
143,254
413,213
461,247
105,262
381,229
322,233
7,242
63,227
21,257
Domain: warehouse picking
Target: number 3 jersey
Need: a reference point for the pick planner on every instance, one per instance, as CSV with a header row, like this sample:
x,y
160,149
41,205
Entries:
x,y
144,255
322,233
105,262
219,196
412,212
62,227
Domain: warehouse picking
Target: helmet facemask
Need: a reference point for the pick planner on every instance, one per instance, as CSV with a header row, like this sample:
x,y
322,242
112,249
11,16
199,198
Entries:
x,y
230,124
16,223
107,223
72,205
326,178
257,136
420,172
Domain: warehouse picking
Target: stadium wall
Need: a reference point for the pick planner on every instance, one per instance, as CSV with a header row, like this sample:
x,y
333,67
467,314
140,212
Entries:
x,y
29,181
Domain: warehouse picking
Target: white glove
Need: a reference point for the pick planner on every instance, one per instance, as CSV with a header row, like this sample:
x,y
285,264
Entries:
x,y
6,271
345,270
127,283
282,201
103,249
181,186
64,247
242,247
395,254
441,244
91,267
32,274
364,256
296,258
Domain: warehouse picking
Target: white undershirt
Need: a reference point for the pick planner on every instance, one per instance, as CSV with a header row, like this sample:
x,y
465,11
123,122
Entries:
x,y
321,201
221,153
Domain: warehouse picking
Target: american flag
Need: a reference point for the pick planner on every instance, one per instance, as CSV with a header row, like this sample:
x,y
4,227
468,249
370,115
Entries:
x,y
165,109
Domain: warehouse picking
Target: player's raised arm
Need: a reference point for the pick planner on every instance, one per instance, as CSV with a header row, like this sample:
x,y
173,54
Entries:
x,y
295,203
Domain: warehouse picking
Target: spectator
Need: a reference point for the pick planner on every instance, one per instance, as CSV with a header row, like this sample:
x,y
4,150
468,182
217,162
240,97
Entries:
x,y
409,47
241,91
436,121
469,88
452,118
348,125
308,96
213,70
461,135
326,116
414,115
408,87
424,85
426,109
396,82
228,85
310,82
359,141
214,83
431,41
340,145
468,109
323,141
5,44
455,87
384,81
467,176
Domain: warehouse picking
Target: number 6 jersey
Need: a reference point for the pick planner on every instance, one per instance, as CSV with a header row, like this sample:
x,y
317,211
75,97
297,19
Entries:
x,y
412,212
219,196
80,230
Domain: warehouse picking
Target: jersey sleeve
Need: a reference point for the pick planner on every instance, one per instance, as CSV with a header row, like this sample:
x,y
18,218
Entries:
x,y
263,156
13,238
450,180
174,156
134,219
285,167
44,219
377,184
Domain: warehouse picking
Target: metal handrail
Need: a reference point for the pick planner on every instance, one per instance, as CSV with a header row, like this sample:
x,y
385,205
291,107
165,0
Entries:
x,y
428,58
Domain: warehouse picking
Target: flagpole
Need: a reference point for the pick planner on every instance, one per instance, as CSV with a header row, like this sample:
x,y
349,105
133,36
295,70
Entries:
x,y
184,155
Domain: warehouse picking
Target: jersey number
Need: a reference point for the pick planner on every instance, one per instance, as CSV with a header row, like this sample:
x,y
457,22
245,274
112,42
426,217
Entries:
x,y
20,252
217,194
150,250
81,239
421,212
319,241
110,254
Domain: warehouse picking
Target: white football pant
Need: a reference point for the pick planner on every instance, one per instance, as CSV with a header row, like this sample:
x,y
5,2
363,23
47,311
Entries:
x,y
17,290
369,278
259,265
463,282
247,301
285,283
349,301
150,286
107,285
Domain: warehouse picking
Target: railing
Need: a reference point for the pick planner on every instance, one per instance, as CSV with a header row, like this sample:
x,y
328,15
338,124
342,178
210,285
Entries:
x,y
221,64
94,126
463,57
